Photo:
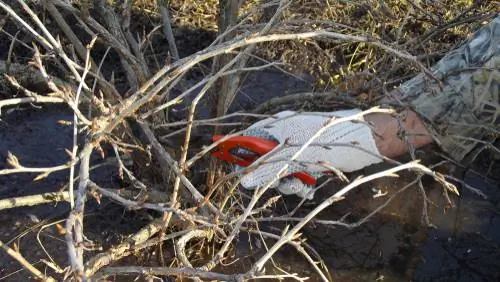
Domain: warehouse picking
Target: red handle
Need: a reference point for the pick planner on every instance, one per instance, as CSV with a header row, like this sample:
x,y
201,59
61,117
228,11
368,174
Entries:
x,y
305,178
257,145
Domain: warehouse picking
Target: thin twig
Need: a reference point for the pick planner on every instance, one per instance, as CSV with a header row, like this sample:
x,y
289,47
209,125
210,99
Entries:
x,y
467,186
51,98
56,46
179,131
167,163
136,182
297,246
75,121
44,171
158,207
207,82
26,264
28,100
181,246
187,139
108,90
115,253
167,28
131,64
208,121
26,26
230,84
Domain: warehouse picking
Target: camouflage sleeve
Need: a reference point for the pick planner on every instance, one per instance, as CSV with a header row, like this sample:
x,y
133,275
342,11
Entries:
x,y
467,108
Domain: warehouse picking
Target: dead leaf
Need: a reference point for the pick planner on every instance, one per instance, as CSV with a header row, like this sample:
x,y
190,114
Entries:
x,y
60,229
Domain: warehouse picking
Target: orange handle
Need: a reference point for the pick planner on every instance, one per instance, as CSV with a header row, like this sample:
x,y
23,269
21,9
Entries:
x,y
257,145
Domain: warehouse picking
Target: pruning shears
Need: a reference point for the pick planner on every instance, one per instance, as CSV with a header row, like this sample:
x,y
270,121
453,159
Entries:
x,y
244,150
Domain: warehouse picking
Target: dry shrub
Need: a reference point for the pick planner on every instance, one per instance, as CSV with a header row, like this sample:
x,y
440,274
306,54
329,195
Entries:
x,y
344,46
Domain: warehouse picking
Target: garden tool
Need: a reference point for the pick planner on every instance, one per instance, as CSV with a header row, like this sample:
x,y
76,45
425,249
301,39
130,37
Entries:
x,y
244,150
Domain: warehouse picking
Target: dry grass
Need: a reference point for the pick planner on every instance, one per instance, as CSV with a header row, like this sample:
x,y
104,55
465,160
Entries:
x,y
426,29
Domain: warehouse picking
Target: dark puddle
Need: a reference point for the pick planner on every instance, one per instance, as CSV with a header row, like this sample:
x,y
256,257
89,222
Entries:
x,y
394,246
466,246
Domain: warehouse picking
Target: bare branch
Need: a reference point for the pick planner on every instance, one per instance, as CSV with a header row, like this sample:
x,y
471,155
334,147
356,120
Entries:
x,y
167,163
167,29
75,121
297,246
138,99
158,207
42,170
109,91
46,198
27,100
43,99
181,246
209,121
180,272
332,199
26,264
54,44
25,25
117,252
74,224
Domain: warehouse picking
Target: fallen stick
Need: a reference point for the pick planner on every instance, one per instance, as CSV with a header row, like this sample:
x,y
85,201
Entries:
x,y
175,271
25,100
26,264
118,252
33,200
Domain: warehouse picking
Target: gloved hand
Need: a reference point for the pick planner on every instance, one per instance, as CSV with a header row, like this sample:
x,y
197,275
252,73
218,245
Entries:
x,y
298,129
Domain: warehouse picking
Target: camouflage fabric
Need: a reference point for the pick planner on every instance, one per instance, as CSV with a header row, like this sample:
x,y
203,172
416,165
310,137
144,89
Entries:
x,y
467,107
